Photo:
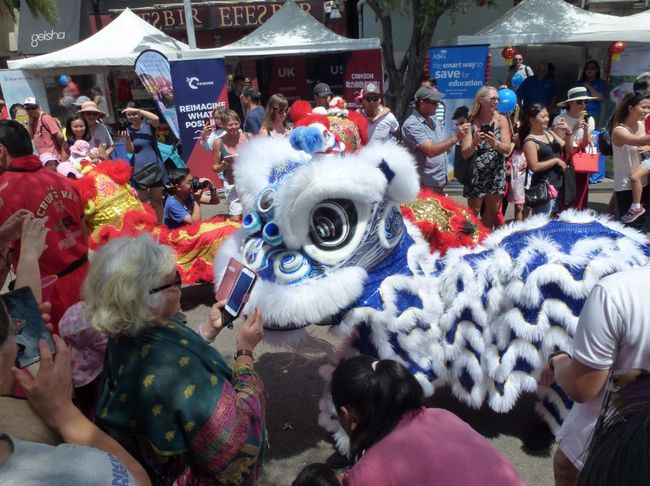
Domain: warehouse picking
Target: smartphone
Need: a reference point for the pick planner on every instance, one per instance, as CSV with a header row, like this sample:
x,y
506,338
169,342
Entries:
x,y
487,128
236,285
586,117
28,326
240,292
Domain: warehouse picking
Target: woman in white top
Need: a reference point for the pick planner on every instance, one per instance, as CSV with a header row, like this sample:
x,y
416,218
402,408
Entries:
x,y
629,140
581,125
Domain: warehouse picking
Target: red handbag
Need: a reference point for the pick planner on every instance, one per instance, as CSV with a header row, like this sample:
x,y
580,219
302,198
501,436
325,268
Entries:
x,y
584,162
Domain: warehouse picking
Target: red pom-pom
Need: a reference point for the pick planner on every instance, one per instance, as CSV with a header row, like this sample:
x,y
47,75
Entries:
x,y
299,109
362,124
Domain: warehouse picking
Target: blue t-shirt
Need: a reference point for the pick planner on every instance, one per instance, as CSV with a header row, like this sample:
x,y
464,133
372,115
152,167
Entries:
x,y
176,211
534,90
254,119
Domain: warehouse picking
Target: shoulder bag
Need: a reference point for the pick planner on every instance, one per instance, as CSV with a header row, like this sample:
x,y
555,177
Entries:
x,y
463,167
150,175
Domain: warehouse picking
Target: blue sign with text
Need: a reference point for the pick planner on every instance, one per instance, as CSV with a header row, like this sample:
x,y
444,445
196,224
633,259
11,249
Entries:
x,y
459,70
199,88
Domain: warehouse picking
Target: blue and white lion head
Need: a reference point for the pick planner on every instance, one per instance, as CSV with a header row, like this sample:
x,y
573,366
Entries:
x,y
313,228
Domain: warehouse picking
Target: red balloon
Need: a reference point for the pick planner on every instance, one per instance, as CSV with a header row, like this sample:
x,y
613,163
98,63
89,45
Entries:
x,y
508,52
617,47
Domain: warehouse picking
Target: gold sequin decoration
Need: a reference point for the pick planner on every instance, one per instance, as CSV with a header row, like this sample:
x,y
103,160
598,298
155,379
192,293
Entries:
x,y
189,426
156,410
148,380
429,209
170,436
213,380
144,351
183,361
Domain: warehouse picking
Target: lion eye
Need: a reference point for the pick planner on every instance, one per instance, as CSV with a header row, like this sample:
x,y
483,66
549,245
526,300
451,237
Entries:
x,y
332,224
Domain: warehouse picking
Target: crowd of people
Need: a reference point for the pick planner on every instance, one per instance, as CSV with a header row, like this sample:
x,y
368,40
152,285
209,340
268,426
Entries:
x,y
165,407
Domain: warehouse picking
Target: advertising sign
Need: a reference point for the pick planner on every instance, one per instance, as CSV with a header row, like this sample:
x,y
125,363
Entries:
x,y
152,68
17,85
460,71
361,68
289,77
199,87
349,72
37,36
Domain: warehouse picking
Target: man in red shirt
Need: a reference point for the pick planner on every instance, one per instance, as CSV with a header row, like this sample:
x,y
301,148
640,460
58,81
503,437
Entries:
x,y
26,184
44,129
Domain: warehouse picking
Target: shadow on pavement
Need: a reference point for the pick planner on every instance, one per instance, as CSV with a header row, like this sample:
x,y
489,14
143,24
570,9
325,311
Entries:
x,y
293,388
521,422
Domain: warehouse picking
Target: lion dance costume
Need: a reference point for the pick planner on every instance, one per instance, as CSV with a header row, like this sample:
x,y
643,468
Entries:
x,y
329,243
113,209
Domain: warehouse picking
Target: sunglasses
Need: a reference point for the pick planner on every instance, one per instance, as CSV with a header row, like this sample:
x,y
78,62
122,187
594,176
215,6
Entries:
x,y
282,111
431,102
176,283
93,115
519,58
29,108
580,102
371,99
493,98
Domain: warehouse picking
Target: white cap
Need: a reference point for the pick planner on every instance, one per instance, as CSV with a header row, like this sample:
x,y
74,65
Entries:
x,y
30,101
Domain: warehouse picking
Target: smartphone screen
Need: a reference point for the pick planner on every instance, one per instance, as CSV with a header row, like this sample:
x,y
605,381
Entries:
x,y
239,291
29,326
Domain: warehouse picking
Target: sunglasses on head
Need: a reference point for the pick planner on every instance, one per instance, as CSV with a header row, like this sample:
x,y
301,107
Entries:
x,y
176,283
371,99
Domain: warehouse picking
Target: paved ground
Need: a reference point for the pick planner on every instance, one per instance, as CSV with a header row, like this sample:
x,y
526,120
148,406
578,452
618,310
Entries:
x,y
293,388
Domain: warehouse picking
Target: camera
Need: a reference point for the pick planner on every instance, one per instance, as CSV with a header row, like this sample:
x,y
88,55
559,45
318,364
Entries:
x,y
197,184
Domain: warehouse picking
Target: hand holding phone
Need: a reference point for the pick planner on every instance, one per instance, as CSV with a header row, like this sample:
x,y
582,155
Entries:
x,y
487,128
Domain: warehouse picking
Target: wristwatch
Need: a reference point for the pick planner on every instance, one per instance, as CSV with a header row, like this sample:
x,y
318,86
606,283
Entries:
x,y
553,355
244,352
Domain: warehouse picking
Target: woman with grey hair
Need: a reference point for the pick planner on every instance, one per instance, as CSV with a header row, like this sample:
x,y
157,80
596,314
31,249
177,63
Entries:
x,y
168,396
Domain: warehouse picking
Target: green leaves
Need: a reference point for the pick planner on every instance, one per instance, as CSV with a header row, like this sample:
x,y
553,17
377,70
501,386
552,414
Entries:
x,y
45,8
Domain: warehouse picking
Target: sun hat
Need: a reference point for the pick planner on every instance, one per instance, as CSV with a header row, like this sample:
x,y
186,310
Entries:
x,y
91,107
45,157
576,94
80,148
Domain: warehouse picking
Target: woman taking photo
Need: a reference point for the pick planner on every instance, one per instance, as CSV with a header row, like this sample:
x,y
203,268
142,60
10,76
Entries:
x,y
581,124
275,122
487,144
395,440
169,398
141,141
629,142
224,154
543,150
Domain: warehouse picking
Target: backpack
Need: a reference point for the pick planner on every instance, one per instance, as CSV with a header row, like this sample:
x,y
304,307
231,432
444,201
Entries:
x,y
605,140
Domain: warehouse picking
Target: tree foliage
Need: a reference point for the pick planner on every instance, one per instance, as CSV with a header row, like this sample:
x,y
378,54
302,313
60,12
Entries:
x,y
404,79
46,8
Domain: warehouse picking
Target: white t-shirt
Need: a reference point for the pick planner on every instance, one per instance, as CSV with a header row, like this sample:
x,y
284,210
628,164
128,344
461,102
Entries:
x,y
613,332
626,159
576,137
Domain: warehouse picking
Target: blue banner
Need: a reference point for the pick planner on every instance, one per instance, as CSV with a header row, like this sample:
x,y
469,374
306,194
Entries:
x,y
459,70
199,88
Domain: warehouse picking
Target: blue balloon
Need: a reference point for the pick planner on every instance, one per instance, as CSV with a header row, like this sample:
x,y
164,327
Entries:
x,y
507,101
516,80
63,80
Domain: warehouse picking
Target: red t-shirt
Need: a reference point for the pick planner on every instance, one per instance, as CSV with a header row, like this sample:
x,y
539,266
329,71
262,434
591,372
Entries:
x,y
647,125
27,185
433,448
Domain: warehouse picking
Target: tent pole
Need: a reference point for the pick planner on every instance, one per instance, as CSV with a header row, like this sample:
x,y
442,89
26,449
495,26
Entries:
x,y
189,24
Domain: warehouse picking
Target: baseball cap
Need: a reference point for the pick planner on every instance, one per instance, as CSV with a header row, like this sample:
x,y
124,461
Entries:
x,y
425,93
81,100
322,89
371,88
30,101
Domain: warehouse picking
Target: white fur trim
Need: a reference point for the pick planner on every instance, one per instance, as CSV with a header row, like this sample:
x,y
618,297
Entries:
x,y
288,306
256,160
406,184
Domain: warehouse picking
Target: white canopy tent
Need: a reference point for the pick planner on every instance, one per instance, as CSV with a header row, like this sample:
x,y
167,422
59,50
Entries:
x,y
117,44
290,30
558,22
